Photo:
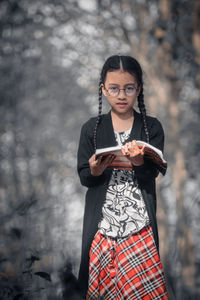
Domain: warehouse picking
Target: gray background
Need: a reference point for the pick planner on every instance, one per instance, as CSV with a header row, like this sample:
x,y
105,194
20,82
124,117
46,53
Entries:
x,y
50,58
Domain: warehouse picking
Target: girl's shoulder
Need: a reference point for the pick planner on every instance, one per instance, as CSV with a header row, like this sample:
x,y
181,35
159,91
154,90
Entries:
x,y
90,124
155,127
152,122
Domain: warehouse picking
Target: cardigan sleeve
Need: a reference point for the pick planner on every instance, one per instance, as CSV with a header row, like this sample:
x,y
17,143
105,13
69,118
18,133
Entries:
x,y
148,170
85,151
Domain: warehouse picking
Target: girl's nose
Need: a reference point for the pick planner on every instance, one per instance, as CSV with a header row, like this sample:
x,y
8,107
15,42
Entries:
x,y
121,94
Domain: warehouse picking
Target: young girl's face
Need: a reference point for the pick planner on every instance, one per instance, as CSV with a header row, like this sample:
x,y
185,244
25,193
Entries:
x,y
127,86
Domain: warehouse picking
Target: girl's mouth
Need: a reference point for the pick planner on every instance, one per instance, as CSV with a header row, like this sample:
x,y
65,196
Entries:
x,y
121,104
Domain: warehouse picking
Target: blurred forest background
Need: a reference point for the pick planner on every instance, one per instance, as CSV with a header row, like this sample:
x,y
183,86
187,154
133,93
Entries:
x,y
50,59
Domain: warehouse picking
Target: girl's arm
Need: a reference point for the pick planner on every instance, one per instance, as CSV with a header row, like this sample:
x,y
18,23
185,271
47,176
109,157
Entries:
x,y
148,170
85,153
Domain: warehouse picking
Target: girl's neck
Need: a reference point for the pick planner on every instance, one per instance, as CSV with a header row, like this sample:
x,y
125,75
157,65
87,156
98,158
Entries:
x,y
122,122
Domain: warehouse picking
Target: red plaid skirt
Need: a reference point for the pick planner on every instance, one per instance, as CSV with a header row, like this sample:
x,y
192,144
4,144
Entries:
x,y
126,268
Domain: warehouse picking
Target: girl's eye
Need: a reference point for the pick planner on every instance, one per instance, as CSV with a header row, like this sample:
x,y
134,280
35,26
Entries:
x,y
113,88
130,88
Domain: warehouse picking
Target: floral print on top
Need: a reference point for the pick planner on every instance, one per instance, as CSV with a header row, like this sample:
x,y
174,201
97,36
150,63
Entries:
x,y
124,211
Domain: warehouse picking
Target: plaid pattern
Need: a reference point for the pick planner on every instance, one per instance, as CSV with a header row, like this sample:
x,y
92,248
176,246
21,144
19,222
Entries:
x,y
126,268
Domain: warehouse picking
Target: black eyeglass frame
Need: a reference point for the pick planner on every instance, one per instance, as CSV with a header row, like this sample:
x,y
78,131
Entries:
x,y
135,89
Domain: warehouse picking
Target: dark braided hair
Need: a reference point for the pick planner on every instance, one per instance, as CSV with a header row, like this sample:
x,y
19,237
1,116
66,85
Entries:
x,y
143,112
99,114
128,64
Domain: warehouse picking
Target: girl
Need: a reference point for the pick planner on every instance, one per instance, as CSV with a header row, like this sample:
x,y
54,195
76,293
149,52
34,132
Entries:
x,y
120,257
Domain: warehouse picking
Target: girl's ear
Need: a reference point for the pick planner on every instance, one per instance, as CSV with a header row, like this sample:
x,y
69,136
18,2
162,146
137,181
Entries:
x,y
103,90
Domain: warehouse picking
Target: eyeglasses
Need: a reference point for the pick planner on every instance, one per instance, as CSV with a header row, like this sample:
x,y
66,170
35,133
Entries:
x,y
114,91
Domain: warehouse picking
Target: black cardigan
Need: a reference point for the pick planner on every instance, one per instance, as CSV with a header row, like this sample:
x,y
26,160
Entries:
x,y
97,185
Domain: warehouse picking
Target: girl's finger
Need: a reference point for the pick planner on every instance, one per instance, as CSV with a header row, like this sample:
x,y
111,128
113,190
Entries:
x,y
142,150
92,159
123,151
129,146
135,145
108,160
98,160
126,148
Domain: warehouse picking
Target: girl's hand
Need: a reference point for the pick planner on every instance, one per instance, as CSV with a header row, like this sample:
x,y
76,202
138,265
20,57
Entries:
x,y
134,153
97,166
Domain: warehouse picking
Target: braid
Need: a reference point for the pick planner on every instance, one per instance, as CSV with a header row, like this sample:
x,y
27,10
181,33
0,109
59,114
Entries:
x,y
99,115
143,112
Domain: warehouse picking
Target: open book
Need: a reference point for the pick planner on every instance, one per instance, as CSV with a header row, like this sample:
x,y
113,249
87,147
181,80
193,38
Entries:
x,y
122,162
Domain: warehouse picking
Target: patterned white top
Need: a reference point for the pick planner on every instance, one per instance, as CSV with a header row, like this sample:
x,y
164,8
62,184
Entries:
x,y
124,211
